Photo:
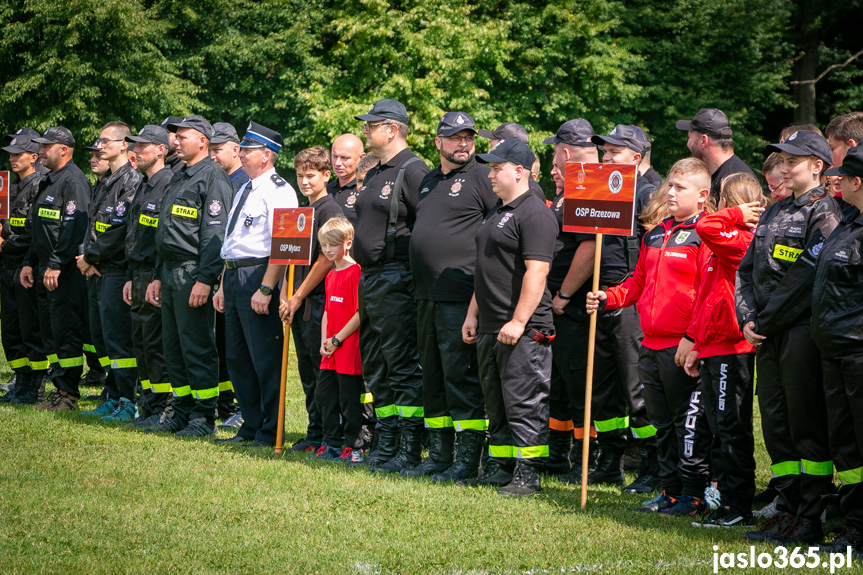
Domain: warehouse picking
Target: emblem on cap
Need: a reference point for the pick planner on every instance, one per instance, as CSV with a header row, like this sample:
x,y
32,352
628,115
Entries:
x,y
70,207
459,120
301,222
615,182
792,136
215,208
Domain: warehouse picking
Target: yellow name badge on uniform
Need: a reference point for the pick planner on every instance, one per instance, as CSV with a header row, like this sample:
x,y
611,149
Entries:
x,y
18,222
184,211
50,214
786,253
101,227
149,221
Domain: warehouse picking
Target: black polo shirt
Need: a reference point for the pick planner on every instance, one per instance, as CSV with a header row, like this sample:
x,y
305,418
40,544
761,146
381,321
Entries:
x,y
522,230
59,217
373,209
143,219
325,209
345,196
732,165
620,253
442,249
564,250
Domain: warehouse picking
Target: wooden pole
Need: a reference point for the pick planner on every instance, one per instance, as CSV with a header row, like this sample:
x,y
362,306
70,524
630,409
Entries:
x,y
588,388
280,430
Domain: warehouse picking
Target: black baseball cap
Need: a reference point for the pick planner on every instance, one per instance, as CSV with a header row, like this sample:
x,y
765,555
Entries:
x,y
170,120
56,135
151,134
29,132
193,122
627,135
514,151
387,109
22,144
507,131
708,121
455,122
258,136
805,143
852,165
93,147
224,132
576,132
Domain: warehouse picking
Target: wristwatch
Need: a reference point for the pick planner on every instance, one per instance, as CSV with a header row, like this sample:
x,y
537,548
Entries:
x,y
266,290
336,341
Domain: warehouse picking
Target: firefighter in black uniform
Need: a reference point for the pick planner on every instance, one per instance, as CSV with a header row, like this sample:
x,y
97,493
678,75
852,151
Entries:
x,y
104,262
774,294
346,153
837,328
619,411
192,223
510,320
453,200
151,145
570,269
172,160
22,343
59,221
386,210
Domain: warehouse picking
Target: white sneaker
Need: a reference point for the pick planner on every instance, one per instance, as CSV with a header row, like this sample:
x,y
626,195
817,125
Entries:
x,y
712,497
767,511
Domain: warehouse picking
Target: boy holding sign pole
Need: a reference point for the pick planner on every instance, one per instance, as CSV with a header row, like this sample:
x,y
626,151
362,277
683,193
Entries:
x,y
664,284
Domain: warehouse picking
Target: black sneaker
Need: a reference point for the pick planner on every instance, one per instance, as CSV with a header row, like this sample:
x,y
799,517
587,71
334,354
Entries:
x,y
799,530
725,517
686,505
657,504
196,428
525,482
643,484
148,421
166,425
847,537
305,445
771,527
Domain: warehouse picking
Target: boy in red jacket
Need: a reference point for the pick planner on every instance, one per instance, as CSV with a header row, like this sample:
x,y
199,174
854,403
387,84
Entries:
x,y
664,286
727,359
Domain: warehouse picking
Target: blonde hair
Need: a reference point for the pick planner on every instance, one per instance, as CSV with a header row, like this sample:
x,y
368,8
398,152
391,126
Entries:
x,y
656,209
740,188
336,231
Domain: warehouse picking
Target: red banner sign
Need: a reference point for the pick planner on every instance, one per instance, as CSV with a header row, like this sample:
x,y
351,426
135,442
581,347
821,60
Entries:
x,y
5,184
599,198
292,236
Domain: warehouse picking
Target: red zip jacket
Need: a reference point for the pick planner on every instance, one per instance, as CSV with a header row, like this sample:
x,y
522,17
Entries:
x,y
665,282
714,328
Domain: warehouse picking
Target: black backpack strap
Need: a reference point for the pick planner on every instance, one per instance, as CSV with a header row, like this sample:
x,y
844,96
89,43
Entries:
x,y
394,210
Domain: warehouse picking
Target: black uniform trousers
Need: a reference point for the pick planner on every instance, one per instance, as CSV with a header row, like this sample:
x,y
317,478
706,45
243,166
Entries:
x,y
794,420
28,322
91,356
388,345
254,356
116,321
306,329
727,396
617,387
147,341
338,398
843,392
516,381
675,408
189,343
568,371
14,344
452,394
61,314
97,336
226,405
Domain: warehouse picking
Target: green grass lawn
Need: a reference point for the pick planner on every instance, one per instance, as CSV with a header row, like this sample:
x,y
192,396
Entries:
x,y
78,496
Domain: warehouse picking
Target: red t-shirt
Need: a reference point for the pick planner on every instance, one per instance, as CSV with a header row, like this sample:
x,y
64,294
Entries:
x,y
341,305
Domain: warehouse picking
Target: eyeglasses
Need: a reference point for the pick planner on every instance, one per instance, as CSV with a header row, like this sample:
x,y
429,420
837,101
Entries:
x,y
774,189
102,142
459,139
369,127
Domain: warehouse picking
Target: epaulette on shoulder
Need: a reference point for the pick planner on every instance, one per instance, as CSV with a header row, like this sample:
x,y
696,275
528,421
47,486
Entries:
x,y
278,180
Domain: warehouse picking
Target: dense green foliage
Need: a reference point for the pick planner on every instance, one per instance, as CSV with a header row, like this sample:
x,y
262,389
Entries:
x,y
306,68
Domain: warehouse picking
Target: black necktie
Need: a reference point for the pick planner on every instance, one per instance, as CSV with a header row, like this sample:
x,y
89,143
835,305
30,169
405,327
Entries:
x,y
247,188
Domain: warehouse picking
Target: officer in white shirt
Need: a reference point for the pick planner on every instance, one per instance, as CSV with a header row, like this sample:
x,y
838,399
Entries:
x,y
248,294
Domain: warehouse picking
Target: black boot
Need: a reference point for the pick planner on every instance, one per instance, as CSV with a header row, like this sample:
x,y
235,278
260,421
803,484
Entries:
x,y
525,481
409,454
468,453
15,386
574,476
559,447
386,447
648,472
440,457
28,393
608,470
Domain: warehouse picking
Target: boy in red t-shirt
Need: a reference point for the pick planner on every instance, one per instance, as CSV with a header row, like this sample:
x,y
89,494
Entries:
x,y
340,383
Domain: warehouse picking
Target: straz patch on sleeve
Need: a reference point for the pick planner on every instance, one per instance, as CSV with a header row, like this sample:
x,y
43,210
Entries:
x,y
145,220
49,214
184,211
786,253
